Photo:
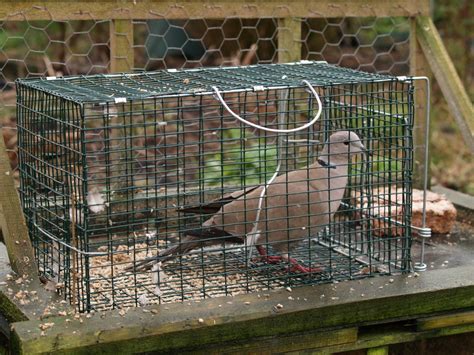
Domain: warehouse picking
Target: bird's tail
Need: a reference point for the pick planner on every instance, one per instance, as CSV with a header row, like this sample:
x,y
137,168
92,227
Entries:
x,y
194,239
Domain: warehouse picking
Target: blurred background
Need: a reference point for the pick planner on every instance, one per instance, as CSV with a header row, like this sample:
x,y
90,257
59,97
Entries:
x,y
52,48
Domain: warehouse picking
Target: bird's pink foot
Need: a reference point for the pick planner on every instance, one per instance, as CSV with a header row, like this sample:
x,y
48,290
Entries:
x,y
305,270
295,266
270,259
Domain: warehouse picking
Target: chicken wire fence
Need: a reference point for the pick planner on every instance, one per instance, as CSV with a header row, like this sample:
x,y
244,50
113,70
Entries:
x,y
116,169
38,42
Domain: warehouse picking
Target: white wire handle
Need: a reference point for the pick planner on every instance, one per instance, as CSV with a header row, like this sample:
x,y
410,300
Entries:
x,y
275,130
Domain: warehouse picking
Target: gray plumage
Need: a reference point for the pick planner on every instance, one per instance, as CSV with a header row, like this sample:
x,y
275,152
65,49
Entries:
x,y
294,204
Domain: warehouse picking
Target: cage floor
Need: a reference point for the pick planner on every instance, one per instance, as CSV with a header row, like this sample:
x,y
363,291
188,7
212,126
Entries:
x,y
209,273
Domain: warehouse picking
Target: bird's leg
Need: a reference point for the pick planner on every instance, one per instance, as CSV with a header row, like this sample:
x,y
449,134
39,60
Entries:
x,y
271,259
261,250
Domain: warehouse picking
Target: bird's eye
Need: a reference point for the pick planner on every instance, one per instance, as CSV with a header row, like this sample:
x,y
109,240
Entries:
x,y
346,143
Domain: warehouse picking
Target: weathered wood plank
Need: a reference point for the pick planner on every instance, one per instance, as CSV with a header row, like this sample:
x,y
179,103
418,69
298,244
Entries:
x,y
447,320
288,344
289,40
156,9
121,46
178,326
289,50
388,337
419,67
12,221
28,300
447,77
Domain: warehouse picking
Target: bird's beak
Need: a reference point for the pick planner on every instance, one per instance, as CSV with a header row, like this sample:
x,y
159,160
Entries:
x,y
366,151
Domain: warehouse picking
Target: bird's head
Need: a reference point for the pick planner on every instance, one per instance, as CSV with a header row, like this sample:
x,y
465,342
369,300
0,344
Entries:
x,y
342,145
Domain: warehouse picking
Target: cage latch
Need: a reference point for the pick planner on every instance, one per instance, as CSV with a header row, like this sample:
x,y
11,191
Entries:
x,y
423,232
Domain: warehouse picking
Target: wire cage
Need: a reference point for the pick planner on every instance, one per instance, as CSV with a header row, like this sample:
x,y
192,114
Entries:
x,y
116,169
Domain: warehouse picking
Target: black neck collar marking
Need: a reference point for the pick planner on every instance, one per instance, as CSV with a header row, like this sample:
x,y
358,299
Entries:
x,y
326,165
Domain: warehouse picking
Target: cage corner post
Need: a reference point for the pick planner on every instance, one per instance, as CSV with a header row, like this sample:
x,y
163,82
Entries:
x,y
121,45
419,67
12,222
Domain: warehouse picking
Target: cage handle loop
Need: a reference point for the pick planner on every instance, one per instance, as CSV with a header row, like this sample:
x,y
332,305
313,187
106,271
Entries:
x,y
275,130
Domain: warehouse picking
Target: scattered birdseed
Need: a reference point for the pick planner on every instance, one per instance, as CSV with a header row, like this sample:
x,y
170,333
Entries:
x,y
45,326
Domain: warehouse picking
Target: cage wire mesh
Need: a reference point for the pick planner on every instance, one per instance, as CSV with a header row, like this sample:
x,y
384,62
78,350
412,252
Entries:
x,y
117,168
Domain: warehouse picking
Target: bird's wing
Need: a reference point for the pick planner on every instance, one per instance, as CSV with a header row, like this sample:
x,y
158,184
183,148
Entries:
x,y
215,205
300,203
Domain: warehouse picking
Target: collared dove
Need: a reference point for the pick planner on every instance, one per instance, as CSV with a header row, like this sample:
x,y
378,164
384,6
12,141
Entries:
x,y
294,204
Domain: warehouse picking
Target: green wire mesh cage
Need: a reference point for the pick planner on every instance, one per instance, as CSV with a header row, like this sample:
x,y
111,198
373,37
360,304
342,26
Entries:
x,y
119,169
